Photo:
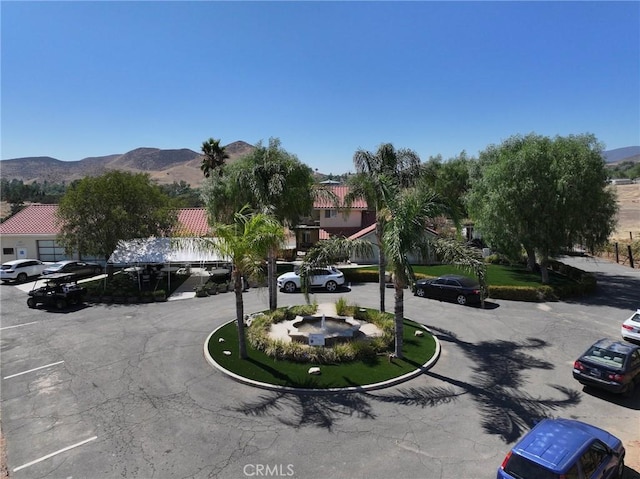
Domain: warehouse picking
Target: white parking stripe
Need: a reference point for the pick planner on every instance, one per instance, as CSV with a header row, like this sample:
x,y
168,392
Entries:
x,y
18,325
55,453
34,369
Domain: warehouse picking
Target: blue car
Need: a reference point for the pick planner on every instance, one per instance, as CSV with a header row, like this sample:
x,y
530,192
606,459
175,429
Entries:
x,y
564,449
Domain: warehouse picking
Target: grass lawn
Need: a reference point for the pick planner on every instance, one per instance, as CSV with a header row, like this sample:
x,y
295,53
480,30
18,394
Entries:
x,y
260,367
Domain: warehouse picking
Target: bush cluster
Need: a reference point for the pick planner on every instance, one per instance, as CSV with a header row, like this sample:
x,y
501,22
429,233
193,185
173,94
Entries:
x,y
522,293
258,336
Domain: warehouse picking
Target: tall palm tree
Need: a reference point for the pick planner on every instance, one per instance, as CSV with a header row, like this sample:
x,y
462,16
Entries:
x,y
214,156
374,171
405,218
404,233
245,243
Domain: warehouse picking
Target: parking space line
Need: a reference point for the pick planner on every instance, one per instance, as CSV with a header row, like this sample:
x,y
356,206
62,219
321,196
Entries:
x,y
18,325
34,369
55,453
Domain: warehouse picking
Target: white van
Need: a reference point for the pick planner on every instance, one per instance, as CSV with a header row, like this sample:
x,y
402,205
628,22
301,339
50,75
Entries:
x,y
21,269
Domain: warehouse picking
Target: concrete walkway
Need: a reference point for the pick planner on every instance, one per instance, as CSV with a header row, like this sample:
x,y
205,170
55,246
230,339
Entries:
x,y
187,289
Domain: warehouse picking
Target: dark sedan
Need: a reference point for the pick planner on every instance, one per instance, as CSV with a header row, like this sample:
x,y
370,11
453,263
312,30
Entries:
x,y
77,268
610,365
451,287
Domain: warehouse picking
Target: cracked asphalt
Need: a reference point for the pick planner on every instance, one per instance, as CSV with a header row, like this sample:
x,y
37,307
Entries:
x,y
124,391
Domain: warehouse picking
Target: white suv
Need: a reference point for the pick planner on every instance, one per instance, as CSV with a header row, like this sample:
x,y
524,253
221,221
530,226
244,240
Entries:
x,y
328,278
21,269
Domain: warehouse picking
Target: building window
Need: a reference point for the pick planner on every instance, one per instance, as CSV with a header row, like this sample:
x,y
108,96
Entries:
x,y
8,251
330,213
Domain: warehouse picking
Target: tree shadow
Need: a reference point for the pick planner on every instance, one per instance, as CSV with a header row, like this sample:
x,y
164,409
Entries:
x,y
498,374
613,290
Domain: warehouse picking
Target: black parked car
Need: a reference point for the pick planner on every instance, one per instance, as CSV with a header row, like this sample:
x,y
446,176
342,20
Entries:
x,y
610,365
77,268
451,287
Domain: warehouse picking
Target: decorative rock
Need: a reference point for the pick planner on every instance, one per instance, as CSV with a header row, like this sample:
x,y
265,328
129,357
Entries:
x,y
226,353
419,333
314,370
221,340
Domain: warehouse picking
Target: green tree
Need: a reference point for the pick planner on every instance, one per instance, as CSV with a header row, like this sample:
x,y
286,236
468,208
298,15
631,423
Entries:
x,y
97,212
449,180
542,195
270,180
245,242
373,170
214,156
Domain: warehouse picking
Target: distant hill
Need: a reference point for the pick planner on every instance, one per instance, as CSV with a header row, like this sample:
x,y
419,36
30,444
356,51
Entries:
x,y
629,153
165,166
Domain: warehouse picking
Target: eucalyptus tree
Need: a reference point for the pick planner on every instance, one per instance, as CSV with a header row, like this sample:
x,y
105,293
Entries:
x,y
245,242
214,157
542,195
400,167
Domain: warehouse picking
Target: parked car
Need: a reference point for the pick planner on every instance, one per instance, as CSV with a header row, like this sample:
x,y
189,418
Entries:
x,y
78,268
564,448
21,269
329,278
631,327
450,287
60,290
610,365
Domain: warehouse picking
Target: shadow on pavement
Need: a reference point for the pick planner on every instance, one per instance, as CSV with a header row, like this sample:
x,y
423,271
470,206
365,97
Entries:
x,y
504,410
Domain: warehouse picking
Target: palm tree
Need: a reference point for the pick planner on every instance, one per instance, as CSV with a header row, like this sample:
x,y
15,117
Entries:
x,y
214,156
245,243
374,170
404,218
404,234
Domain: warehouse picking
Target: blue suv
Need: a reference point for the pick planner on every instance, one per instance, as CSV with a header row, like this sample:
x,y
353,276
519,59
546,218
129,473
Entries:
x,y
564,449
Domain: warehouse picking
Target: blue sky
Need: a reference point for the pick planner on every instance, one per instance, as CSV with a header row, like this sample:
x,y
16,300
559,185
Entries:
x,y
83,79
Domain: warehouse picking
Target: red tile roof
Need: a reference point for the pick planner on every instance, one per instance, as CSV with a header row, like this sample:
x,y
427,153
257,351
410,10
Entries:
x,y
32,220
193,222
340,192
41,220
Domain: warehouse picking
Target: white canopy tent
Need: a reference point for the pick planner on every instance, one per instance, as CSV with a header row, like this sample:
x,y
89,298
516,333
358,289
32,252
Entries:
x,y
167,251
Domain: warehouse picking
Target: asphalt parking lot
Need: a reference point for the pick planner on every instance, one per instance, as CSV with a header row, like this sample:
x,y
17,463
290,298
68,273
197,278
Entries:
x,y
110,391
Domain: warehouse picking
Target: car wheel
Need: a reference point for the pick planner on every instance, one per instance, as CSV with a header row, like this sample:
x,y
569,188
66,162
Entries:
x,y
420,292
630,388
620,470
61,304
31,303
289,287
22,277
331,286
97,270
461,299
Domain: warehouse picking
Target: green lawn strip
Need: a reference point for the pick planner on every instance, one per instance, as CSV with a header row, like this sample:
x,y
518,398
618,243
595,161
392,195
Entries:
x,y
259,367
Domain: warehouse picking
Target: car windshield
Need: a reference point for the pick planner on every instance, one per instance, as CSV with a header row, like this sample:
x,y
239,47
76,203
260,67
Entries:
x,y
7,266
635,318
56,266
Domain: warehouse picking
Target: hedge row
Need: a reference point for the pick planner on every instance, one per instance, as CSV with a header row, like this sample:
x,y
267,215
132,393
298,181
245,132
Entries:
x,y
585,283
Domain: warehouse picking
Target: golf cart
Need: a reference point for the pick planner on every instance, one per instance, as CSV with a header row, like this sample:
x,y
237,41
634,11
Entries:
x,y
60,290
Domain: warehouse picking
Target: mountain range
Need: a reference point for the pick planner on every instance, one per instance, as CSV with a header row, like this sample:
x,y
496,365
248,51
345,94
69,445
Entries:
x,y
164,166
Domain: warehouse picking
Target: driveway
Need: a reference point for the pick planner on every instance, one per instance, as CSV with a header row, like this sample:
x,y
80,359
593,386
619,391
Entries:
x,y
124,391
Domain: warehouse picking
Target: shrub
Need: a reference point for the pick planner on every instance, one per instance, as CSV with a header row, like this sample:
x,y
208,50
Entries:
x,y
342,307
